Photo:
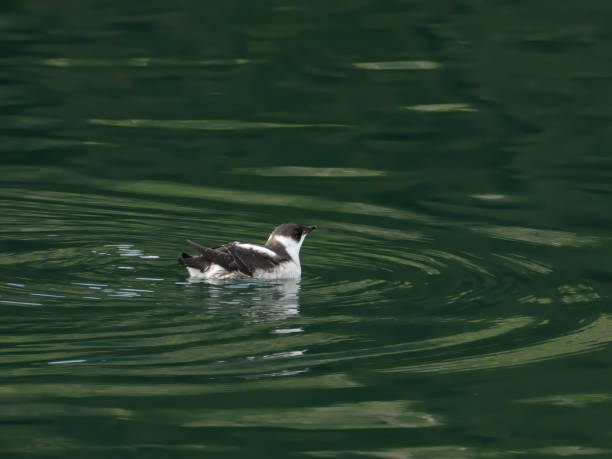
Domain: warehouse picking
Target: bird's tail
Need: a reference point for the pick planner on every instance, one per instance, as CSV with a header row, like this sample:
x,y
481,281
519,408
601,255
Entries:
x,y
198,262
183,259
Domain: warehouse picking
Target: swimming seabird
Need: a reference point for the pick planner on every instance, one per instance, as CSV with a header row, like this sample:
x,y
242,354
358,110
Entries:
x,y
279,258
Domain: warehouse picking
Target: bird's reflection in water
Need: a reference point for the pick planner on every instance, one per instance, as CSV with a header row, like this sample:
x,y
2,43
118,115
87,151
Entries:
x,y
257,300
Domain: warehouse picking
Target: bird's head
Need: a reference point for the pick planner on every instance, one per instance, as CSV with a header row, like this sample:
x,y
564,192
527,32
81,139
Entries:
x,y
289,236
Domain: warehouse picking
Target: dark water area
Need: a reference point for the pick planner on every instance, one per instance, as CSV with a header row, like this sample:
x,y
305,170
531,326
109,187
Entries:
x,y
454,302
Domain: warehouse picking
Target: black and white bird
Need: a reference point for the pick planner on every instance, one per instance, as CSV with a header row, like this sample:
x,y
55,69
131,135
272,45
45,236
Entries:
x,y
279,258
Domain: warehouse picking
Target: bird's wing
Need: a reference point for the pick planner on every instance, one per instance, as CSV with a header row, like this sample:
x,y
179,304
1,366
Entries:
x,y
250,257
220,256
197,262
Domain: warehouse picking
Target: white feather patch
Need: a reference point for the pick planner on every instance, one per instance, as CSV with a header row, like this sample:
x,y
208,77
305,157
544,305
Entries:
x,y
291,246
257,248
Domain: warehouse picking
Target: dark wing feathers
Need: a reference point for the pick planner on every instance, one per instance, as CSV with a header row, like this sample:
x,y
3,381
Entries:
x,y
249,260
220,257
231,257
194,262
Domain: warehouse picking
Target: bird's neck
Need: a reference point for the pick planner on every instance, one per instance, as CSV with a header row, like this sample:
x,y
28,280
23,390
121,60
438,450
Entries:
x,y
286,247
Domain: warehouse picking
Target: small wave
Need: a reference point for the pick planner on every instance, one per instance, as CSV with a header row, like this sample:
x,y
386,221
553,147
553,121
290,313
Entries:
x,y
572,400
536,236
397,414
589,338
398,65
295,171
441,108
207,125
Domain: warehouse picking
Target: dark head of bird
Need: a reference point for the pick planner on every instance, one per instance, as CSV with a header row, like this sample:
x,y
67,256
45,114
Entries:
x,y
291,230
288,238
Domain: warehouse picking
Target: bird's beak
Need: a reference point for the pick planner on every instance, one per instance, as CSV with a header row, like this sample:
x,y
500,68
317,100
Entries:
x,y
308,229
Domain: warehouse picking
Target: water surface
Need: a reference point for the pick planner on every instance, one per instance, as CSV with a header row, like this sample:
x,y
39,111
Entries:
x,y
454,301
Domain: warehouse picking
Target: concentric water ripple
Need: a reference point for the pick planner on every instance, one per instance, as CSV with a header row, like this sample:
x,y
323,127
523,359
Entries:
x,y
133,313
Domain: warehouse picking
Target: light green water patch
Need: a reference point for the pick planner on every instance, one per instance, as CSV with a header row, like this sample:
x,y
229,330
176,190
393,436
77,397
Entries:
x,y
592,337
423,452
536,236
523,264
264,363
75,390
428,265
490,197
206,125
295,171
397,414
21,443
571,400
579,293
398,65
535,299
268,199
460,452
42,142
191,359
376,231
72,203
28,122
458,259
142,62
441,108
567,451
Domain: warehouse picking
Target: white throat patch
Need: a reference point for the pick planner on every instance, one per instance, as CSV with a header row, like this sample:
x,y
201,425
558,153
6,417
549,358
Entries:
x,y
291,246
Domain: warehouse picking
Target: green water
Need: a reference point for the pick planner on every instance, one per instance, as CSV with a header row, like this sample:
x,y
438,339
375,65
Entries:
x,y
455,301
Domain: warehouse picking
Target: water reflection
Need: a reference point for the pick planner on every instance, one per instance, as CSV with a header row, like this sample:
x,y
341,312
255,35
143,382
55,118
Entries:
x,y
257,300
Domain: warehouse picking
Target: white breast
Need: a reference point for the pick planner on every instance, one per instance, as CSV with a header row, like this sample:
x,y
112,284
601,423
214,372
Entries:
x,y
292,247
285,270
